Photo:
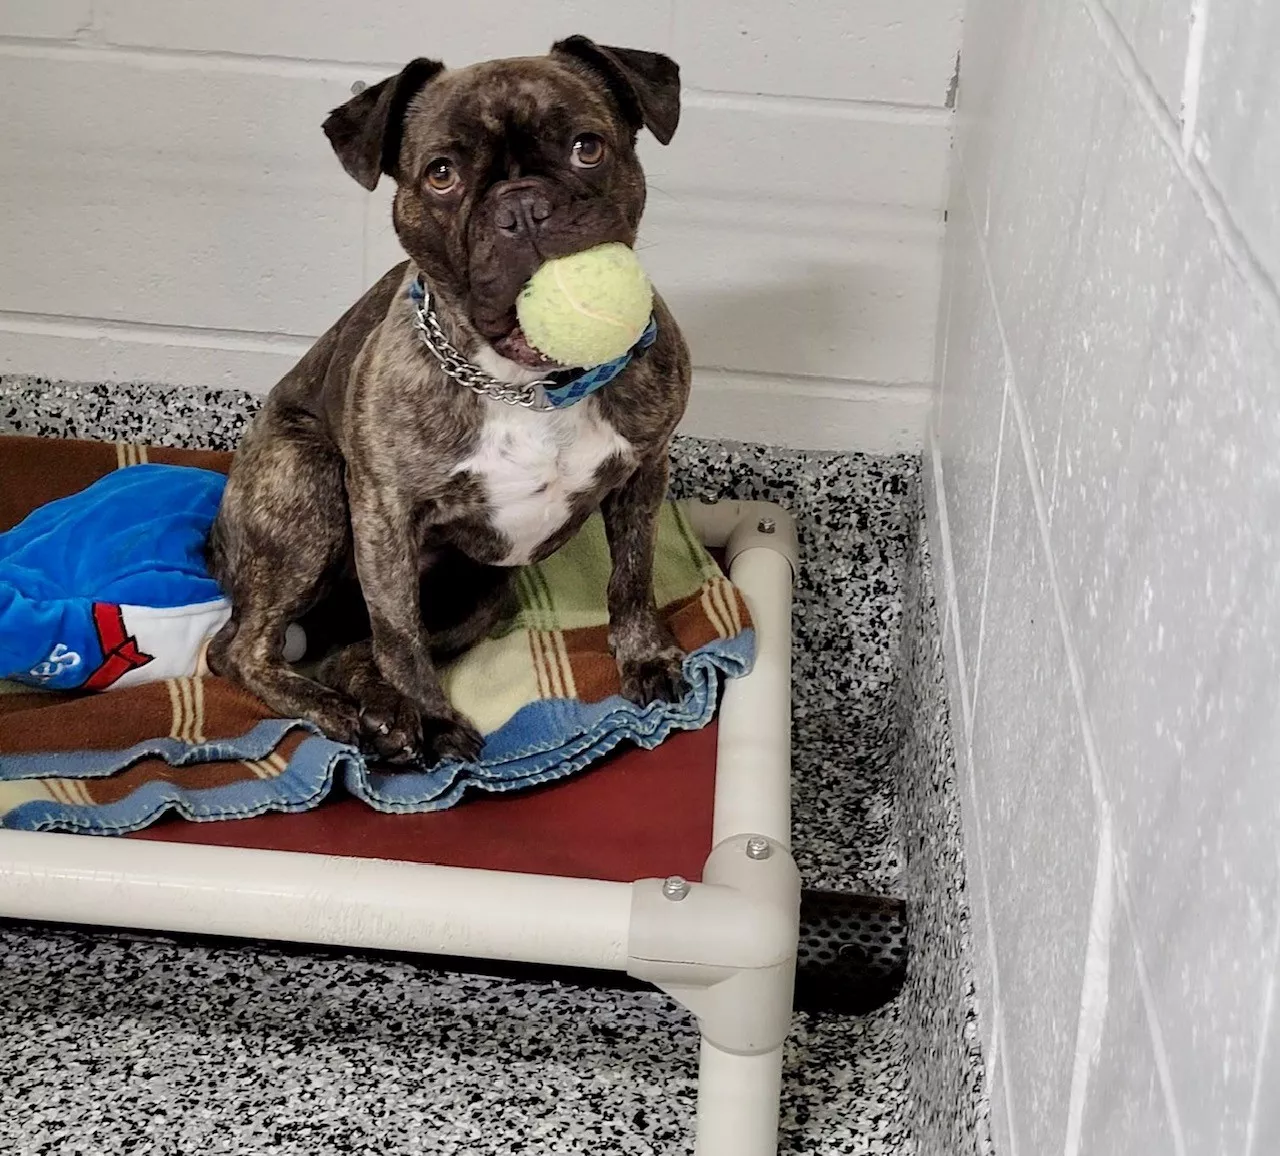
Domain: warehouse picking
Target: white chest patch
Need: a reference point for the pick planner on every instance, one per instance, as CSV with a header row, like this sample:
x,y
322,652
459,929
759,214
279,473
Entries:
x,y
533,465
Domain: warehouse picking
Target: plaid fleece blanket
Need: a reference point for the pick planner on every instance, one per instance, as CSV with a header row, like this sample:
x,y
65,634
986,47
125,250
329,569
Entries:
x,y
543,689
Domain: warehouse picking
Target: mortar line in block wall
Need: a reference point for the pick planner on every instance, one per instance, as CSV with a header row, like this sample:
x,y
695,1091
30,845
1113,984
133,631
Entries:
x,y
1189,109
1076,675
1234,243
155,332
949,577
1266,1017
1094,989
1164,1073
182,59
993,958
1008,1091
820,106
164,59
991,535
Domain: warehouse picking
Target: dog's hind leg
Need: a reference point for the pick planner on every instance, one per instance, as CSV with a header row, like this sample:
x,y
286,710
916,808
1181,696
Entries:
x,y
280,537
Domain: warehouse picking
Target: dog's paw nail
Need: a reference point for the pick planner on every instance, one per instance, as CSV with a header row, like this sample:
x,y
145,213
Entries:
x,y
390,732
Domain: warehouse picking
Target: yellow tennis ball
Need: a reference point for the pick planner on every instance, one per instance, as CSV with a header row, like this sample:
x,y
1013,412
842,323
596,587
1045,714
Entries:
x,y
587,308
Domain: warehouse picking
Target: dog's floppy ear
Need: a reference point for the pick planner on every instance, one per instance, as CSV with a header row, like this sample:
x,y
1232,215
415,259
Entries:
x,y
365,132
646,85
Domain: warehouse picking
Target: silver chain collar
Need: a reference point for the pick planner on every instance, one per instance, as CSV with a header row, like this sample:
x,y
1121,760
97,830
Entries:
x,y
467,373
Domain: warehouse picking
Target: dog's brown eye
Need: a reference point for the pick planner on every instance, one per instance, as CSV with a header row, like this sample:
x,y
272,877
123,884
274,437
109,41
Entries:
x,y
588,150
441,175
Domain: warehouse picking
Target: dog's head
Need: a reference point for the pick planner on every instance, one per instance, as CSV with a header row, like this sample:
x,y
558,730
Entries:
x,y
500,166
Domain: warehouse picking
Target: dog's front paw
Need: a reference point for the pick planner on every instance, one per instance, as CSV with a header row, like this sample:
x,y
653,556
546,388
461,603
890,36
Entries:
x,y
448,735
337,716
390,727
653,678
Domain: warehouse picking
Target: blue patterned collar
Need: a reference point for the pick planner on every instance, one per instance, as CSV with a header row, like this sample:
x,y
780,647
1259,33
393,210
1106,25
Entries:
x,y
559,389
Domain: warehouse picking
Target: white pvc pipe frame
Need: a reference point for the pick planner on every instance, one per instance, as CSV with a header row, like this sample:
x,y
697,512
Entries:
x,y
454,911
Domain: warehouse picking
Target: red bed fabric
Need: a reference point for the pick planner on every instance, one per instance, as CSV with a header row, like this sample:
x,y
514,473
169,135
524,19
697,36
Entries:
x,y
638,815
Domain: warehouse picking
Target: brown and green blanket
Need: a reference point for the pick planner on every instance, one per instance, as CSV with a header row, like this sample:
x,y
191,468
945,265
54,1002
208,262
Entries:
x,y
543,689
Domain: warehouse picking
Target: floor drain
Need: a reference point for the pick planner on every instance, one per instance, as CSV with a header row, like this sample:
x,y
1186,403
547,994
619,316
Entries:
x,y
853,952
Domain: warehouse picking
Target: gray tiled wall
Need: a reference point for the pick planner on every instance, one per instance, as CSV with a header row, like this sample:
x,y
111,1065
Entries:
x,y
1105,511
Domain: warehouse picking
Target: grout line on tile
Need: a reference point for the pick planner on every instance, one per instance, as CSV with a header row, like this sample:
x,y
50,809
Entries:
x,y
1266,1017
1190,105
944,325
1230,236
1158,1048
966,704
1008,1092
949,574
991,534
993,960
970,775
1094,990
859,108
1052,499
994,1054
995,1032
154,333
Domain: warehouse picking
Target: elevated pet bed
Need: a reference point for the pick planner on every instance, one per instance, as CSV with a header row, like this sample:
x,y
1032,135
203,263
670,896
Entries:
x,y
672,866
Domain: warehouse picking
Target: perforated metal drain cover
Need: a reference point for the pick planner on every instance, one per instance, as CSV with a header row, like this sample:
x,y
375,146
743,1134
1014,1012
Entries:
x,y
853,951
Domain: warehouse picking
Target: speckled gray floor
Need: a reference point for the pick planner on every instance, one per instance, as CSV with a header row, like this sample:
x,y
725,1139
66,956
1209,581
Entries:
x,y
129,1046
139,1044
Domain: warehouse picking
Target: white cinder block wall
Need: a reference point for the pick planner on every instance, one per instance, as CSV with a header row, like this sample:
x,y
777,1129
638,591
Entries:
x,y
170,210
1107,508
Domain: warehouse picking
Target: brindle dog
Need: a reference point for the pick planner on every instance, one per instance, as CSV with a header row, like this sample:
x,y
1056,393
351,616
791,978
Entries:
x,y
380,497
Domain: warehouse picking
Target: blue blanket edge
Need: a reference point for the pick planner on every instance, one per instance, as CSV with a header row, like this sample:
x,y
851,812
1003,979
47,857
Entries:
x,y
578,735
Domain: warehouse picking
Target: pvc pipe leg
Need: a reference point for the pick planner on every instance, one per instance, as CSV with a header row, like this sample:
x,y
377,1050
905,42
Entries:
x,y
738,1101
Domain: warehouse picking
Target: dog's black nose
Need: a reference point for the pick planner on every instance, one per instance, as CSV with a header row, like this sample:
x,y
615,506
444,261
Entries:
x,y
521,209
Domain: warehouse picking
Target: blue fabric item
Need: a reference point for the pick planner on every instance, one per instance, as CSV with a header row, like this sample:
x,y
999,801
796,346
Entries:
x,y
135,538
563,389
546,740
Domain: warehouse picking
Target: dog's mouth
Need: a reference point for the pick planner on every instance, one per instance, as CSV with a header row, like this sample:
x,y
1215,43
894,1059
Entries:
x,y
514,346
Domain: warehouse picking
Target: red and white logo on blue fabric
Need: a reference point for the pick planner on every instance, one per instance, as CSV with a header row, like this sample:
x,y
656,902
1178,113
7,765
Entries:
x,y
120,653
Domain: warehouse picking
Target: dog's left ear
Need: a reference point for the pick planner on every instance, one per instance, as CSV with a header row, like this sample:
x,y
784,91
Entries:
x,y
645,84
367,130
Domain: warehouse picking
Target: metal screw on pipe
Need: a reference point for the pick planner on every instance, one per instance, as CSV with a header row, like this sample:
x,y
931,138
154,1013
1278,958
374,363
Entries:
x,y
758,847
766,526
675,888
